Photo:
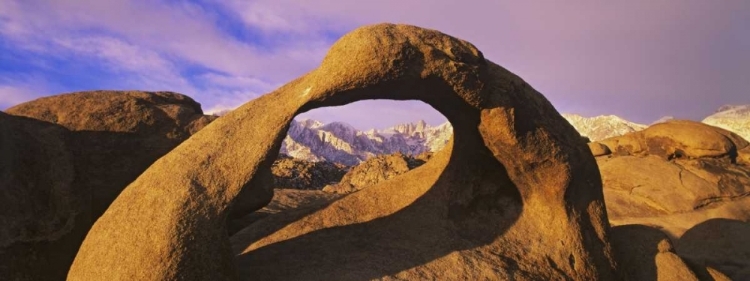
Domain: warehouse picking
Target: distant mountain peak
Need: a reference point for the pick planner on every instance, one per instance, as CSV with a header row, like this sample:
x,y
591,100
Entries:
x,y
342,143
735,118
603,126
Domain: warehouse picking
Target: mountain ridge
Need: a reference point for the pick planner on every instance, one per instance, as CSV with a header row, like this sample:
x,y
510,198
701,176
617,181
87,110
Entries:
x,y
342,143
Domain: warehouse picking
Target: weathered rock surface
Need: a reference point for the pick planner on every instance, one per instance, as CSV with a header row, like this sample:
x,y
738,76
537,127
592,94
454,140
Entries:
x,y
117,134
598,149
62,172
674,177
373,171
679,138
650,186
294,173
517,195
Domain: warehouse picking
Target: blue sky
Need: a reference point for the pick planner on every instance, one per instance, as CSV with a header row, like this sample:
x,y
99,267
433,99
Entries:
x,y
638,59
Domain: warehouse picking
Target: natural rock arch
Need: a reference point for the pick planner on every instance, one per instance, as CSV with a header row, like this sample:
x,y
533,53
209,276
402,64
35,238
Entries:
x,y
511,150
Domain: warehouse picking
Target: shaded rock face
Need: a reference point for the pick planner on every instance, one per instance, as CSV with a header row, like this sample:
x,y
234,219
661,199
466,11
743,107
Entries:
x,y
117,134
517,195
373,171
108,138
293,173
645,253
719,243
287,206
40,207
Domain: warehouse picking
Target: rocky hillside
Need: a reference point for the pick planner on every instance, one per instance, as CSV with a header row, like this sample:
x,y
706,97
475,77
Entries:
x,y
735,118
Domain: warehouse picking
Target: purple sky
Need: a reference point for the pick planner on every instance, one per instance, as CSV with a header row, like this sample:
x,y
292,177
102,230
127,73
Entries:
x,y
637,59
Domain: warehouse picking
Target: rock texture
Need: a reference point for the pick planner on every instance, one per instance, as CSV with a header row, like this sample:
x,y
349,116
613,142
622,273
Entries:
x,y
373,171
102,140
40,207
517,195
677,176
294,173
679,138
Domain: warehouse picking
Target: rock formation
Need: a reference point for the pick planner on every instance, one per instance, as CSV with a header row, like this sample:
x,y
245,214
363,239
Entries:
x,y
515,195
41,210
66,165
675,176
300,174
373,171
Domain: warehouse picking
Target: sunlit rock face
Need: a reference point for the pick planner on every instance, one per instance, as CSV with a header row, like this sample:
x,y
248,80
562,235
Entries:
x,y
65,158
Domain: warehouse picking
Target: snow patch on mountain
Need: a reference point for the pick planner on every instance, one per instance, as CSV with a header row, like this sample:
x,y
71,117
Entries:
x,y
341,143
601,127
735,118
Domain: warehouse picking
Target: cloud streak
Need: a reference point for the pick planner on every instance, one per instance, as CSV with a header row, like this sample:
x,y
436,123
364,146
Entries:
x,y
637,59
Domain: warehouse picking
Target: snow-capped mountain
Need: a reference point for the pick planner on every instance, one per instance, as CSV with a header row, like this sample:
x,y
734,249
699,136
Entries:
x,y
339,142
735,118
603,126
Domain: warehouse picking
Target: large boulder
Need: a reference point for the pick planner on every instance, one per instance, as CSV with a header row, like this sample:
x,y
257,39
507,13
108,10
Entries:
x,y
675,177
117,134
679,138
41,209
373,171
516,196
68,157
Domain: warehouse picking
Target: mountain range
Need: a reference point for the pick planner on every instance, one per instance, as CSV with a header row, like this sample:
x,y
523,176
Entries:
x,y
342,143
735,118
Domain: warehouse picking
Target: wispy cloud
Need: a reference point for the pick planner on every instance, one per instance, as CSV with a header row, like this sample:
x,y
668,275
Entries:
x,y
16,89
638,59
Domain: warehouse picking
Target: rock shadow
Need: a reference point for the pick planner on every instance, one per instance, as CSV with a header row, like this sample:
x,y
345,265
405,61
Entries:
x,y
432,227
